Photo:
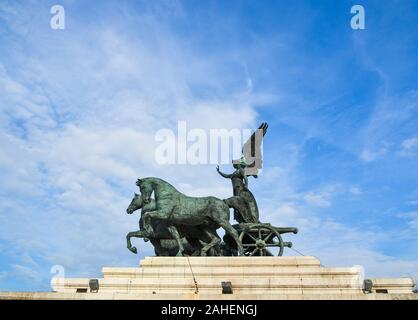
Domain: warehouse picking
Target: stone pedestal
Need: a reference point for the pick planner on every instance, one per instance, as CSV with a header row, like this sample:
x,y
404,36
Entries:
x,y
250,278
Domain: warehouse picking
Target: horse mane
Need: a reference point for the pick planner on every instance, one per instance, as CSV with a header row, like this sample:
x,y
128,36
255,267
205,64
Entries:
x,y
161,181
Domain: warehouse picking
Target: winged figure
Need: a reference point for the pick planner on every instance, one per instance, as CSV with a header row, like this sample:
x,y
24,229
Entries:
x,y
243,201
251,152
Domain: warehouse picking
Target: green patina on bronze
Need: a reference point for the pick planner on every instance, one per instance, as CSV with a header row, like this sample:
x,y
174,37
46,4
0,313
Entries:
x,y
177,224
163,241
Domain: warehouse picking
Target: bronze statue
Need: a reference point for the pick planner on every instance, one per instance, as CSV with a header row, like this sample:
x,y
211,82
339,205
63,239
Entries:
x,y
164,241
177,224
179,209
243,200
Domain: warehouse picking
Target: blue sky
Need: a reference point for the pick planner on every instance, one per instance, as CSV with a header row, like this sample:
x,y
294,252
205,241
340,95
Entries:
x,y
79,109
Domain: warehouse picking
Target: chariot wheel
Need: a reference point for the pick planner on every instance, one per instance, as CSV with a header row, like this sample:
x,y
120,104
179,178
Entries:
x,y
261,240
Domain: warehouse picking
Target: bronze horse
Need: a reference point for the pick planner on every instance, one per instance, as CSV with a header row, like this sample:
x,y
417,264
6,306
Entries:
x,y
197,240
181,210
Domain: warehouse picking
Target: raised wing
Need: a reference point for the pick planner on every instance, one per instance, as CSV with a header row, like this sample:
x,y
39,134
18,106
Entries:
x,y
251,151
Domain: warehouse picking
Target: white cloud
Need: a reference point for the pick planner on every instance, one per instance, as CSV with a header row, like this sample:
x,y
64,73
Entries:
x,y
27,272
320,199
378,137
355,191
371,155
410,143
79,128
412,217
409,147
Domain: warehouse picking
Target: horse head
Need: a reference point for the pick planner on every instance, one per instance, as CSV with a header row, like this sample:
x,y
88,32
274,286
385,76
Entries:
x,y
135,204
146,188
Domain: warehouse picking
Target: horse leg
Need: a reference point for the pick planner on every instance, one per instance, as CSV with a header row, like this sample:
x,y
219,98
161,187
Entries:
x,y
136,234
215,240
219,213
233,233
195,243
146,219
173,231
141,227
157,247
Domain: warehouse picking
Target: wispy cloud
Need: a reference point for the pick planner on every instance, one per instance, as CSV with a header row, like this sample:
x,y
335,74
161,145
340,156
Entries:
x,y
409,147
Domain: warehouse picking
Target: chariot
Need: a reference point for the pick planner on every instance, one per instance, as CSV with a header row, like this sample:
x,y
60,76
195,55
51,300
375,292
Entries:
x,y
258,239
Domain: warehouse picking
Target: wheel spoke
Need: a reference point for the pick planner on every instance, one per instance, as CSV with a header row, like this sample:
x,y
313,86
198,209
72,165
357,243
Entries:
x,y
251,236
268,236
249,245
254,252
259,233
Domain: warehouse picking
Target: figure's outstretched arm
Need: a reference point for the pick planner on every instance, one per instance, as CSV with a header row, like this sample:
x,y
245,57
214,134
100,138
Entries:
x,y
228,176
